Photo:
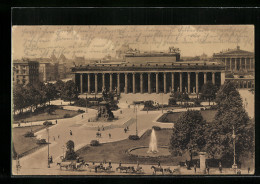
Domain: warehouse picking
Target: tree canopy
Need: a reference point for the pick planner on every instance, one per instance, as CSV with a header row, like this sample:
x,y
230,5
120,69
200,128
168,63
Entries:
x,y
230,113
208,91
188,134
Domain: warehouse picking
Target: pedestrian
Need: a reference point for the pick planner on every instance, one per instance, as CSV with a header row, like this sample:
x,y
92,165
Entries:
x,y
58,136
248,170
98,128
61,103
19,124
127,128
109,136
220,167
159,164
103,128
207,168
120,163
54,138
82,116
70,132
195,167
56,122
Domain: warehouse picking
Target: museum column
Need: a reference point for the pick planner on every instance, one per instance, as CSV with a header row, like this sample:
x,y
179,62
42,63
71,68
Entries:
x,y
118,83
141,83
103,81
88,83
110,82
235,64
240,59
126,83
213,78
96,84
180,81
189,82
205,77
81,83
173,81
230,61
197,82
157,87
164,83
149,83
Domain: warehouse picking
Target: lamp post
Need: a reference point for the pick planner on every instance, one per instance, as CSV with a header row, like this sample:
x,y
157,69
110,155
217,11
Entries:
x,y
86,103
47,128
234,166
136,131
63,147
162,102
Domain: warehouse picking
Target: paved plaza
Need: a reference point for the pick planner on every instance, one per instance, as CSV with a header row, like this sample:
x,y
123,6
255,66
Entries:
x,y
84,131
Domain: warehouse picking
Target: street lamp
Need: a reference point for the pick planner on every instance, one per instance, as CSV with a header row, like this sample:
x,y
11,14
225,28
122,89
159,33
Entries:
x,y
86,103
47,128
234,166
63,147
162,102
136,131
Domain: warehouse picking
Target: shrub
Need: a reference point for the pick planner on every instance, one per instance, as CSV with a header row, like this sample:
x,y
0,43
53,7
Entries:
x,y
172,101
134,137
94,143
29,134
156,128
47,123
197,102
41,141
80,111
66,116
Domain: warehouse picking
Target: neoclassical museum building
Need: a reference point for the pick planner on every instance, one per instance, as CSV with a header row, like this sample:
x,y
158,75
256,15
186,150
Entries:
x,y
156,72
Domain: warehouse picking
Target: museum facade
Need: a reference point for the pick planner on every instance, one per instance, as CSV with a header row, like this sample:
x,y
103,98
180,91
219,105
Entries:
x,y
147,78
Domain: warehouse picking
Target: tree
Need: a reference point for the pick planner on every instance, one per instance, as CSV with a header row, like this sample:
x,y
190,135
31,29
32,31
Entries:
x,y
59,85
50,92
18,97
188,134
70,153
70,91
230,113
208,91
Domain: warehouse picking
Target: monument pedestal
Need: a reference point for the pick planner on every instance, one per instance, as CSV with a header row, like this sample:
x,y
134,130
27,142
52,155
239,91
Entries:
x,y
202,162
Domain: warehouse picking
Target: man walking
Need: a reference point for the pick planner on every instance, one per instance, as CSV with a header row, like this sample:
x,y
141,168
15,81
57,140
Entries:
x,y
195,168
70,132
220,167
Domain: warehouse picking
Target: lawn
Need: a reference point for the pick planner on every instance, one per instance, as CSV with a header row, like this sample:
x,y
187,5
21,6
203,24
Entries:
x,y
207,115
24,145
116,151
58,113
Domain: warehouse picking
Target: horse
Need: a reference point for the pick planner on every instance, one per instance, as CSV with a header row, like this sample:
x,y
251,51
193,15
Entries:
x,y
92,167
122,168
168,170
64,164
157,169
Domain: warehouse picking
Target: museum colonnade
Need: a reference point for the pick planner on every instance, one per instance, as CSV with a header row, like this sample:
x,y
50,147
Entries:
x,y
238,63
146,82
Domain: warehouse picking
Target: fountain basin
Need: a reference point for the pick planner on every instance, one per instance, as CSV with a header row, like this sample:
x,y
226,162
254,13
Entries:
x,y
163,151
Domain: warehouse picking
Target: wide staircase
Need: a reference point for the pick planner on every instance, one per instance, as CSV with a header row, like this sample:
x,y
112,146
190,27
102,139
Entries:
x,y
128,99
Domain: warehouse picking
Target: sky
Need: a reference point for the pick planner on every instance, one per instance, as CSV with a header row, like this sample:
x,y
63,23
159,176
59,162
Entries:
x,y
98,41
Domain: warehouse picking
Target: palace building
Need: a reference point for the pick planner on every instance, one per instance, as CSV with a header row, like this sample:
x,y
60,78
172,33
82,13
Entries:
x,y
148,73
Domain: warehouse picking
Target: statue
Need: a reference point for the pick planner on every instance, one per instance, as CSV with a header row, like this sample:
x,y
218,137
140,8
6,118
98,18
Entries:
x,y
194,90
178,89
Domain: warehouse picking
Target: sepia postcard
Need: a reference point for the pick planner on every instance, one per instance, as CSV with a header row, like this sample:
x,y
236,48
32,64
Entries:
x,y
133,100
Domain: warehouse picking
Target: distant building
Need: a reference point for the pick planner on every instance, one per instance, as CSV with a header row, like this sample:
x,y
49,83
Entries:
x,y
25,71
236,60
153,57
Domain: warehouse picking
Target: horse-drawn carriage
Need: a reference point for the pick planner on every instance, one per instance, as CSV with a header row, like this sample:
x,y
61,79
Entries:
x,y
164,171
130,169
100,168
72,165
